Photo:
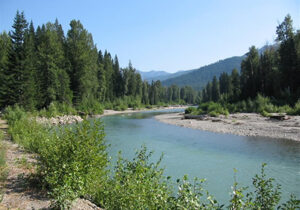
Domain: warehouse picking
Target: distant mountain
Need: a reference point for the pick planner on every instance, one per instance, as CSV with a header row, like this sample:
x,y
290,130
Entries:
x,y
198,78
160,75
153,75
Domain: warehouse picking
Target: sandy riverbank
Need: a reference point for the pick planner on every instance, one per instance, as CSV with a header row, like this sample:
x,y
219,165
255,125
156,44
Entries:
x,y
243,124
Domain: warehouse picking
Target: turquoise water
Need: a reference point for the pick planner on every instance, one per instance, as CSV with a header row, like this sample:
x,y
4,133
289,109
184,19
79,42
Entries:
x,y
206,154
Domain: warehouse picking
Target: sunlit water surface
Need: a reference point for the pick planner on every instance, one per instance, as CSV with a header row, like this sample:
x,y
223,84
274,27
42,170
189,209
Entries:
x,y
205,154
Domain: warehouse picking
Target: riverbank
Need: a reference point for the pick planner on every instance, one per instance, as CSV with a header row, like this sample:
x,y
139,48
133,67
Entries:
x,y
243,124
69,119
128,111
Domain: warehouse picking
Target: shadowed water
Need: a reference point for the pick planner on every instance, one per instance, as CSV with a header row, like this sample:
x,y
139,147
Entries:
x,y
206,154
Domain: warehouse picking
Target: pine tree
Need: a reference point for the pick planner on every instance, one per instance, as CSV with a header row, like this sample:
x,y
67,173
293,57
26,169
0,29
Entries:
x,y
117,78
209,91
51,64
145,93
250,74
288,55
215,90
82,54
15,76
30,98
236,89
109,76
5,46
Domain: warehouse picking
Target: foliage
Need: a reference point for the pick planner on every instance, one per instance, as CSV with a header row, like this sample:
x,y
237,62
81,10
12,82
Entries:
x,y
136,184
73,163
190,110
211,108
265,196
190,196
3,168
72,160
296,109
43,67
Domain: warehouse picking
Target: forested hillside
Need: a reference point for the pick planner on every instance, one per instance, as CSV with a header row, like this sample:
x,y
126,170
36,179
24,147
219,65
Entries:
x,y
273,74
198,78
42,66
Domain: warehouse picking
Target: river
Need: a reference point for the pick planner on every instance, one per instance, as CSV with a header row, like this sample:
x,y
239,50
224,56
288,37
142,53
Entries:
x,y
205,154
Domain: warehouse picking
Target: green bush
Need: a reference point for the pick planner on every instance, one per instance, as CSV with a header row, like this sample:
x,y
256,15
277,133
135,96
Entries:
x,y
190,110
14,114
211,108
295,110
73,161
90,106
136,184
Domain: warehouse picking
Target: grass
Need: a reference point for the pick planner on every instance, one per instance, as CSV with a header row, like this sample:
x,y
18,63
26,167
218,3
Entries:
x,y
3,169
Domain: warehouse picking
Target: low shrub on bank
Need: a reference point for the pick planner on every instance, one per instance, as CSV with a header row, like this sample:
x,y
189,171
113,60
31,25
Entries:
x,y
295,110
72,163
260,104
72,160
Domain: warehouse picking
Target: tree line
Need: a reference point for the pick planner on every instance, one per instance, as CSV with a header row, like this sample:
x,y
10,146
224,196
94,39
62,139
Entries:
x,y
274,73
41,66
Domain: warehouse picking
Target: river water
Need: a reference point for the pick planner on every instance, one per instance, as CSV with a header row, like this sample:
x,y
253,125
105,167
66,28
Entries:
x,y
205,154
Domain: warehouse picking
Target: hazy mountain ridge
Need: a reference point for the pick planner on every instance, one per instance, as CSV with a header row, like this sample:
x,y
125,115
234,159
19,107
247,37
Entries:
x,y
199,77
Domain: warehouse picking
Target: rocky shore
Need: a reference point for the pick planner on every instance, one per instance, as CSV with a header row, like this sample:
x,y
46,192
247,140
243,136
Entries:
x,y
59,120
243,124
69,119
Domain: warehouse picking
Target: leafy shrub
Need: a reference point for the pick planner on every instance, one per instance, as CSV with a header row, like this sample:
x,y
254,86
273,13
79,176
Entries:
x,y
73,161
211,108
190,196
90,106
265,195
14,114
136,184
295,110
190,110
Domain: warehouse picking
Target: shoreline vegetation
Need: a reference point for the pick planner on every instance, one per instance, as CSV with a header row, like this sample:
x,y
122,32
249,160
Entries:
x,y
72,163
69,119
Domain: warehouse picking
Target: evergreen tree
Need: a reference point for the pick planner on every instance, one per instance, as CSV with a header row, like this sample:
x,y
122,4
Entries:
x,y
117,77
15,76
52,73
215,90
145,93
249,75
82,54
208,91
5,46
236,89
30,98
288,55
109,73
101,78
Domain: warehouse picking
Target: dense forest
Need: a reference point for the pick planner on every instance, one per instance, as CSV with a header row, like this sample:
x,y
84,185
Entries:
x,y
42,66
274,73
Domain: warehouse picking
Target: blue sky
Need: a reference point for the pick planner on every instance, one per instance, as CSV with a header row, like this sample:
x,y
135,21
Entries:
x,y
168,35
